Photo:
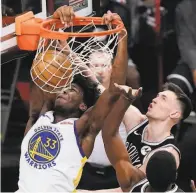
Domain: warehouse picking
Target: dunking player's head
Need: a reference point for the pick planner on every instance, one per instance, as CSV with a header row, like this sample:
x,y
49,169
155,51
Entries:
x,y
161,171
172,104
77,99
101,65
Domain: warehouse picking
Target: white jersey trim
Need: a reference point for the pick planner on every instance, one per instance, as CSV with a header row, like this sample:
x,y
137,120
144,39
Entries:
x,y
139,183
173,190
154,143
137,126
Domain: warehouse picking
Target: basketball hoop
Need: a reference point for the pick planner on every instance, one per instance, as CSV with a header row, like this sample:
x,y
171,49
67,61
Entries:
x,y
57,61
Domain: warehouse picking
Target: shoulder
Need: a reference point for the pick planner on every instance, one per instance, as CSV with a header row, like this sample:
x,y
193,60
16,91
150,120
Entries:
x,y
171,149
82,123
175,152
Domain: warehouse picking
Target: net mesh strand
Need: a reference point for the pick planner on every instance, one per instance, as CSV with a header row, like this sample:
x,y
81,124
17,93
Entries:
x,y
76,52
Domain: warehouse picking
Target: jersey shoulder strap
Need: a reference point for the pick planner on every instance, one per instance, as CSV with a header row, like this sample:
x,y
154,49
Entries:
x,y
140,183
142,125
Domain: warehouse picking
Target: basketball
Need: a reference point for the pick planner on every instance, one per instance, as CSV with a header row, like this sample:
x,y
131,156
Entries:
x,y
51,70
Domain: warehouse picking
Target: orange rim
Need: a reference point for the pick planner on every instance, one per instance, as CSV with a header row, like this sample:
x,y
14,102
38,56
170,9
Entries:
x,y
78,21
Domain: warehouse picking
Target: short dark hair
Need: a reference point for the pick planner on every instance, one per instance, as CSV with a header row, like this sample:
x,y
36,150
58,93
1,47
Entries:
x,y
89,88
161,170
185,102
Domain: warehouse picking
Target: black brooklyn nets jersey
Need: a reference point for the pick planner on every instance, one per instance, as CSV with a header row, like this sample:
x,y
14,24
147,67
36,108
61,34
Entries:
x,y
143,185
138,148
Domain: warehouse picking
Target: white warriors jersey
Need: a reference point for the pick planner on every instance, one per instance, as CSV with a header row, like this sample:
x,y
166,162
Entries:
x,y
51,158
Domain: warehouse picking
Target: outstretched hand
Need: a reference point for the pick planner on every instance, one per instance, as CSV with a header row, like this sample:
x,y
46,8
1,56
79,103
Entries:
x,y
193,187
128,92
65,14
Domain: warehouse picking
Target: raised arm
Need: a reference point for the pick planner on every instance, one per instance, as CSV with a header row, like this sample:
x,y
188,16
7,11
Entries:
x,y
109,96
127,174
91,123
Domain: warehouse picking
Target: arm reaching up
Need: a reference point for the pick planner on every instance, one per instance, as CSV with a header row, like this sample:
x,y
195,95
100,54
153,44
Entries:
x,y
106,101
127,174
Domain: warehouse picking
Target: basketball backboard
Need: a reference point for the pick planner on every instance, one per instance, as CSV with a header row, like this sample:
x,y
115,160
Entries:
x,y
81,7
41,9
9,10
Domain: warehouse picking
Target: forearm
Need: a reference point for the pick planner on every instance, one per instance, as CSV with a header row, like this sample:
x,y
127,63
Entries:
x,y
116,115
119,68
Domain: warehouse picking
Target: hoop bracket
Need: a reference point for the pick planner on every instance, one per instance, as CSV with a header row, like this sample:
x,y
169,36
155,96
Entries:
x,y
28,31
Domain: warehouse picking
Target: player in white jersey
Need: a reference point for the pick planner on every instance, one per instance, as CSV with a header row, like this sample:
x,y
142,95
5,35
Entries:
x,y
57,143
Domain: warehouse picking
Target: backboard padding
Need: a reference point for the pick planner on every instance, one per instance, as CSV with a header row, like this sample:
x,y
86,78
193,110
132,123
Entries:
x,y
8,39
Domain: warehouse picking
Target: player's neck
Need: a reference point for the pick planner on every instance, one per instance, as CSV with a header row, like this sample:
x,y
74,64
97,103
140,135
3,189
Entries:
x,y
59,116
157,131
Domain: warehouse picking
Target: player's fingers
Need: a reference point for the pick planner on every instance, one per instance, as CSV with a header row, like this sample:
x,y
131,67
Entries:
x,y
121,87
72,14
139,92
104,19
107,18
130,91
59,15
193,186
109,12
118,86
66,14
69,16
115,16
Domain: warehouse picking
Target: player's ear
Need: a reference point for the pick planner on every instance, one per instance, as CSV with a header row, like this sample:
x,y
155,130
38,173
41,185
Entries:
x,y
175,115
83,107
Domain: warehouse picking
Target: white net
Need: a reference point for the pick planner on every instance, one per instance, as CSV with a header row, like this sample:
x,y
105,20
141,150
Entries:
x,y
57,62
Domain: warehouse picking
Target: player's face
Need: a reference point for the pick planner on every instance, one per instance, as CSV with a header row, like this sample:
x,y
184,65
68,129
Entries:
x,y
102,73
100,64
70,98
164,106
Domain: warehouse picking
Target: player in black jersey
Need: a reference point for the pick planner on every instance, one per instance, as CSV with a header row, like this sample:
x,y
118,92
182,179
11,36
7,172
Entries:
x,y
154,131
171,105
161,173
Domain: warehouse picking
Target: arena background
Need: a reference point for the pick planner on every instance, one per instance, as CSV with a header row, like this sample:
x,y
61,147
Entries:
x,y
147,53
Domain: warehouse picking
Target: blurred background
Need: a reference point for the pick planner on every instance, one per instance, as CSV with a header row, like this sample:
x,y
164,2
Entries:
x,y
162,47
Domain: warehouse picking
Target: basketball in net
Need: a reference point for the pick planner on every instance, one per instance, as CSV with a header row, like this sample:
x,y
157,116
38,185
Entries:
x,y
56,64
51,70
